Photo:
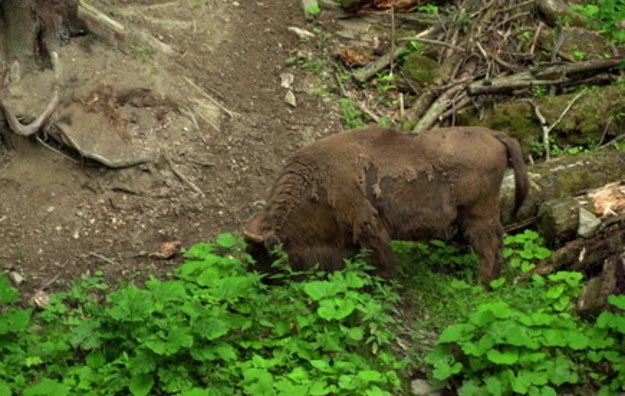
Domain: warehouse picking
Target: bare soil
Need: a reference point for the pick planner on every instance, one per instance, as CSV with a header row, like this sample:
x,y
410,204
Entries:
x,y
60,219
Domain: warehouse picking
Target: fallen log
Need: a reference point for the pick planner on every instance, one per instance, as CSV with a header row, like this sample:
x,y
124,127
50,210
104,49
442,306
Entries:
x,y
562,177
563,219
549,76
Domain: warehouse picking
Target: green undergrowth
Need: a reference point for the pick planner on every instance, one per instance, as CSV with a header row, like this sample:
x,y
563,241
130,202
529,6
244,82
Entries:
x,y
214,329
523,337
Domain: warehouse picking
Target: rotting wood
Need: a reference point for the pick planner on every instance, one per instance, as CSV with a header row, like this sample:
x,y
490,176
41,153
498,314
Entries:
x,y
116,33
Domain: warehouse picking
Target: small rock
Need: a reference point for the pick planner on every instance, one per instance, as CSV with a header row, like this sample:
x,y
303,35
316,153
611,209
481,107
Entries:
x,y
50,209
588,223
289,98
16,278
421,387
40,299
286,80
302,34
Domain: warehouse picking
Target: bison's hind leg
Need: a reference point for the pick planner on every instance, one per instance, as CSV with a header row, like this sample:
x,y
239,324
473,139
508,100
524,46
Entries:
x,y
483,230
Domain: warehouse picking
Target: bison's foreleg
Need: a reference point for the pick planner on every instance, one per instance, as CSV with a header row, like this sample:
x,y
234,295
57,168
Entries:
x,y
378,241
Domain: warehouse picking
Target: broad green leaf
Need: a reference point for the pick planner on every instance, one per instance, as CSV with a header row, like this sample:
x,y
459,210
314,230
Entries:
x,y
211,328
335,308
321,365
166,291
14,321
5,390
522,382
617,301
500,309
347,382
47,387
542,253
555,291
493,385
95,359
319,387
509,355
554,337
226,240
481,318
542,391
519,336
141,384
371,376
130,304
471,388
532,357
443,369
562,372
8,293
497,283
318,290
457,333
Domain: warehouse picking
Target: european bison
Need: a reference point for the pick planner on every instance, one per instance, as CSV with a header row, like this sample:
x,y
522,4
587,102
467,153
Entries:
x,y
362,188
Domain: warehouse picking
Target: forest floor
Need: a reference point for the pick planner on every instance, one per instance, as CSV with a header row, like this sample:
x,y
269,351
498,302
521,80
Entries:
x,y
60,219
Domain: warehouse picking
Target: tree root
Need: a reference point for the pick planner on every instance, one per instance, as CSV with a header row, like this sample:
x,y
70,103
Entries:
x,y
30,129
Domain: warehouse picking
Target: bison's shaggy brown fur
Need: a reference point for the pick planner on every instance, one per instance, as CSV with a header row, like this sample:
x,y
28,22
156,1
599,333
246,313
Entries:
x,y
362,188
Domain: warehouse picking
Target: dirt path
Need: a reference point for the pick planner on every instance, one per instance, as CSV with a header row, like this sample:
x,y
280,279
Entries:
x,y
60,219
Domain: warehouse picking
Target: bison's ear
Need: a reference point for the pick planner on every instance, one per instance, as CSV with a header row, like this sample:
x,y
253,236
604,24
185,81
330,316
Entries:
x,y
253,230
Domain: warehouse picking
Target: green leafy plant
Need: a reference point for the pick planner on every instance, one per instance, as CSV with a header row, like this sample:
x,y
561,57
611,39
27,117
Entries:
x,y
605,16
351,115
314,10
522,251
214,328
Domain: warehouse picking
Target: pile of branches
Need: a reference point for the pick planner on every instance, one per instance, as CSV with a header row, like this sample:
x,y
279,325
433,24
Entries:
x,y
484,49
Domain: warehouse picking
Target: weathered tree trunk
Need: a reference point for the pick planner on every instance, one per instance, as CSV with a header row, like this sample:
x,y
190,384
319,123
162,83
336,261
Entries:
x,y
560,178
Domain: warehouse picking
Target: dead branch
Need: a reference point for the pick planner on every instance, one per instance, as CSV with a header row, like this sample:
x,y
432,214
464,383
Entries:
x,y
552,75
434,42
181,176
545,127
114,32
38,123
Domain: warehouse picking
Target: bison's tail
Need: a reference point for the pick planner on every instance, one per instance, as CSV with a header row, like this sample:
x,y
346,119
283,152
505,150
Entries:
x,y
521,181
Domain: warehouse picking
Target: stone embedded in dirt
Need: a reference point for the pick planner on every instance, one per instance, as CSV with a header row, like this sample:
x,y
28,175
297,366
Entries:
x,y
302,34
588,223
421,387
16,278
289,98
40,299
286,80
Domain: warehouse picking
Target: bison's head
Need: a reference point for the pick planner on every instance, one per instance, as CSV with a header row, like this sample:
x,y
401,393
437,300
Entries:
x,y
261,243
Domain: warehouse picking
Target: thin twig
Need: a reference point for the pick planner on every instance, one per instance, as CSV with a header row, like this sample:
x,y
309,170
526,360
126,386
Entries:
x,y
434,42
392,63
46,145
103,258
230,113
182,176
